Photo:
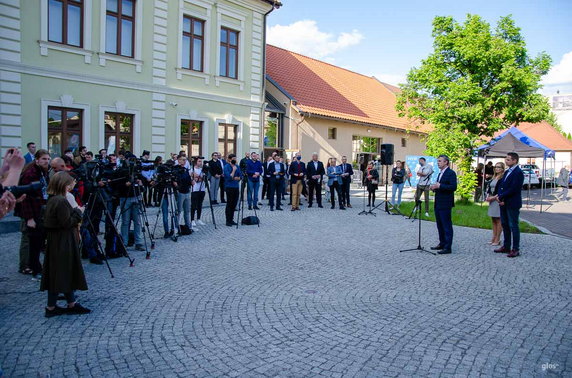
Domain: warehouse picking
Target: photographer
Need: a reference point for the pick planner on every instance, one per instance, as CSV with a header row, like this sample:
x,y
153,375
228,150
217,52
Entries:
x,y
232,176
254,171
147,171
163,186
198,192
215,176
129,186
31,210
183,183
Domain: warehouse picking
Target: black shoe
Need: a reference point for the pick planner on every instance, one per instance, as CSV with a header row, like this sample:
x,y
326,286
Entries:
x,y
222,201
139,247
214,202
320,206
77,309
271,208
167,235
55,312
437,248
332,207
249,207
255,207
185,230
279,208
230,224
342,208
96,261
445,252
309,205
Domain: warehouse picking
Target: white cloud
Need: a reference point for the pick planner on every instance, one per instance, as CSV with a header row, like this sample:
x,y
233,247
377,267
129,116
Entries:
x,y
560,73
304,37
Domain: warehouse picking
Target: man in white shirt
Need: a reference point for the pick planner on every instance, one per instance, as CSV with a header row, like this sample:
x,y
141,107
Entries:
x,y
424,173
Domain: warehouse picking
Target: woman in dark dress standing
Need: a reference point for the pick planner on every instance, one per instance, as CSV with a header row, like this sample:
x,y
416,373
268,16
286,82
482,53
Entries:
x,y
371,181
63,272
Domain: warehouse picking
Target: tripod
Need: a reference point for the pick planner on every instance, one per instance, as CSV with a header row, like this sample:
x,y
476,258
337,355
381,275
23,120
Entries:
x,y
168,194
110,227
364,211
419,247
243,185
388,208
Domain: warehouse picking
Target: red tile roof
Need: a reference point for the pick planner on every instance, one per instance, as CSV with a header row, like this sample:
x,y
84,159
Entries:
x,y
326,90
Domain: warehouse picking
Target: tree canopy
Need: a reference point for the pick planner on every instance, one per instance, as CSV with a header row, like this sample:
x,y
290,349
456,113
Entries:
x,y
476,82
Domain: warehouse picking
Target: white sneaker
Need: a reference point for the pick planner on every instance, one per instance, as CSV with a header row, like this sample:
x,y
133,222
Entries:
x,y
426,214
201,223
193,224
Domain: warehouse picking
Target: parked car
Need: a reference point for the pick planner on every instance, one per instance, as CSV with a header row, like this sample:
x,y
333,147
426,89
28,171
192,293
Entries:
x,y
534,168
530,178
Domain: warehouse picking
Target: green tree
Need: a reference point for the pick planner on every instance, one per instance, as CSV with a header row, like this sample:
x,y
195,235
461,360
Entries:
x,y
476,82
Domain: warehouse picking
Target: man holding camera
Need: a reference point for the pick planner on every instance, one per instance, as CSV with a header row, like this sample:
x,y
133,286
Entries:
x,y
183,183
232,177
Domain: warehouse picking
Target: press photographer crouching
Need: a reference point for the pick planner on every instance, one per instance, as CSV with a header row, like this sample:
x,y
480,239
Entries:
x,y
63,272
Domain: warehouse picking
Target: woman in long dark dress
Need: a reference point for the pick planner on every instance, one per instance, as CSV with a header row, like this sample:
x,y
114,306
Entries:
x,y
63,272
371,181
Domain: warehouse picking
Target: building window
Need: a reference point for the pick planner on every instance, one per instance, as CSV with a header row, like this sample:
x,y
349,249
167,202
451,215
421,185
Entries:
x,y
229,53
332,133
271,130
120,27
403,142
65,22
191,137
118,132
226,139
64,129
193,43
365,145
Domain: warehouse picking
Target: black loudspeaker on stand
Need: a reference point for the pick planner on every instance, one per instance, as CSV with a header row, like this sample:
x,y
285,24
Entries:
x,y
419,247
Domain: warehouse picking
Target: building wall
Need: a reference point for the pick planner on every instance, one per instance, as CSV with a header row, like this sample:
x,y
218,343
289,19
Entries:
x,y
35,74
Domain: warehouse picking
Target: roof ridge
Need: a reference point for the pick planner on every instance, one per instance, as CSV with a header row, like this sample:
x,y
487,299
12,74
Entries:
x,y
329,64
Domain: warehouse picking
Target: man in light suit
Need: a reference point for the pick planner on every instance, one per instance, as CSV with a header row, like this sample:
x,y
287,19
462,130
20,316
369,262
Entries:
x,y
444,190
29,157
510,201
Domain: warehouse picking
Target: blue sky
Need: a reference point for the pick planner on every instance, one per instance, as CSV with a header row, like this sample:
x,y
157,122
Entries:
x,y
386,38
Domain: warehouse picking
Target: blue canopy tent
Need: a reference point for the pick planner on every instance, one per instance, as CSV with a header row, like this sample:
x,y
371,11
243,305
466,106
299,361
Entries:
x,y
514,140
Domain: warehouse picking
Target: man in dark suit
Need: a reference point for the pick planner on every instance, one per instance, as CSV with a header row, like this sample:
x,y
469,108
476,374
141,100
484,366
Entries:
x,y
510,200
315,172
297,171
444,190
29,157
275,173
347,173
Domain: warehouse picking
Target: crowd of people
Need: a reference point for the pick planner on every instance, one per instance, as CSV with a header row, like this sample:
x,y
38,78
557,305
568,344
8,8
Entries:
x,y
76,192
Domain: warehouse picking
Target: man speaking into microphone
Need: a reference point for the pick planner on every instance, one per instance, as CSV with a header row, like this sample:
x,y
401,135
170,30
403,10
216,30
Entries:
x,y
444,190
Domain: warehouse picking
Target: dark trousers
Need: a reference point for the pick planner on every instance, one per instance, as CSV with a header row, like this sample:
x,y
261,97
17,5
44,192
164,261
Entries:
x,y
221,186
337,187
275,188
197,204
37,237
265,187
314,185
24,246
445,227
148,195
346,191
510,227
231,202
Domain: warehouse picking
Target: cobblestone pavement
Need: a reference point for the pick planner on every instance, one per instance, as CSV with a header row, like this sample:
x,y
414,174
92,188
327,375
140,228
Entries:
x,y
317,292
556,214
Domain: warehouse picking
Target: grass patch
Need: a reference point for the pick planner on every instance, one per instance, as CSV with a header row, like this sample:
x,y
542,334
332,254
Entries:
x,y
466,214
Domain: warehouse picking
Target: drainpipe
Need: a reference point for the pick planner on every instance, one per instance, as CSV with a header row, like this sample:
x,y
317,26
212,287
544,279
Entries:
x,y
275,5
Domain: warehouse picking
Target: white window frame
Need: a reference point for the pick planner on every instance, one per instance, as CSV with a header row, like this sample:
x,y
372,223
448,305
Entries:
x,y
104,57
230,119
121,107
232,13
193,115
65,101
205,75
46,45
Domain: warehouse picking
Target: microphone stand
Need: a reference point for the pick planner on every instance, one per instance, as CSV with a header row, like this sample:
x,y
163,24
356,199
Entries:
x,y
419,247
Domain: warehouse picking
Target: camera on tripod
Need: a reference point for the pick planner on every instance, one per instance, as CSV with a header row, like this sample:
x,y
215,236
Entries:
x,y
167,173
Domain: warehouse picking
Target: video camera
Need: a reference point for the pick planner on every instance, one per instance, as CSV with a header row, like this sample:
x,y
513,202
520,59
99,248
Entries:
x,y
19,190
168,172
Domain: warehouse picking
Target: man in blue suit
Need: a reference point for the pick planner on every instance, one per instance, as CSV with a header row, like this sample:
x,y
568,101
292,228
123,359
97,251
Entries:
x,y
510,200
444,190
29,157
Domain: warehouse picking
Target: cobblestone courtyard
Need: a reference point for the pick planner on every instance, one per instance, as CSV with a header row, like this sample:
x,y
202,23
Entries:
x,y
317,292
